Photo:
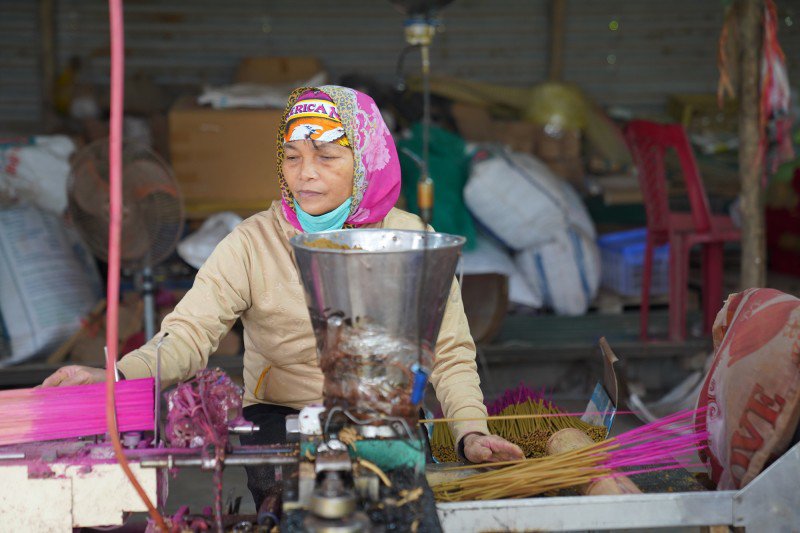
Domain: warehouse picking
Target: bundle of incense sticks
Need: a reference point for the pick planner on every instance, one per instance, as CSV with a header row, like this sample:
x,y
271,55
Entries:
x,y
32,415
524,429
518,395
668,443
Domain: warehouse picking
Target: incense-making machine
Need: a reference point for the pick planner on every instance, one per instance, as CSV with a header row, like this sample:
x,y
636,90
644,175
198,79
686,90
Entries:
x,y
377,299
357,463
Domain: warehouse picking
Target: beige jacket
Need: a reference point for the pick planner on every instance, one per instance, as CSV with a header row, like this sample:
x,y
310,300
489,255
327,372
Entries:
x,y
251,274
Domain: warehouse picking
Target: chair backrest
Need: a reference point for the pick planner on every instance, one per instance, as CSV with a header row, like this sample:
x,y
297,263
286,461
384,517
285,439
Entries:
x,y
649,142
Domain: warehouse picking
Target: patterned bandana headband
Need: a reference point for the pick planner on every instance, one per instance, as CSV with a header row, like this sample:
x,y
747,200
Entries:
x,y
314,116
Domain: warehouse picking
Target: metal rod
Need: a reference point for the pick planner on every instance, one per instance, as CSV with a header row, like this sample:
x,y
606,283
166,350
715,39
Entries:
x,y
231,460
263,450
149,298
157,400
244,429
426,106
10,456
218,496
425,185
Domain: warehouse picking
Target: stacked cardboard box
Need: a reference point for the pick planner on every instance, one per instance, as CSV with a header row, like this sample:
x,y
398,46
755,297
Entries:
x,y
225,159
560,150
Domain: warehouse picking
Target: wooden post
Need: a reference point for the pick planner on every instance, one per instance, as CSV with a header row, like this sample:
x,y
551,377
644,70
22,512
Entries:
x,y
558,14
751,167
48,62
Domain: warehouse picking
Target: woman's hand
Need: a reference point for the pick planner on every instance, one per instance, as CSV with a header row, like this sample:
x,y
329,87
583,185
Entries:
x,y
74,375
490,449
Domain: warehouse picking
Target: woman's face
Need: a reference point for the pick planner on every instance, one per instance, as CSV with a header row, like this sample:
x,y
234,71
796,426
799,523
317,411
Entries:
x,y
319,174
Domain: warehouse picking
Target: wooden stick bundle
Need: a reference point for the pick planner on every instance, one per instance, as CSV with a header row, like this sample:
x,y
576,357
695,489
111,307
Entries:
x,y
527,478
660,445
570,439
527,424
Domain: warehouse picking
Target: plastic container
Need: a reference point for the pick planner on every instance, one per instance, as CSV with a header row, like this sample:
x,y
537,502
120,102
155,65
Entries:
x,y
622,260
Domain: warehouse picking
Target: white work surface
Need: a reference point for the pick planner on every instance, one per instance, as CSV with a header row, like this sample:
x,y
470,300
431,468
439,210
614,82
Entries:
x,y
74,496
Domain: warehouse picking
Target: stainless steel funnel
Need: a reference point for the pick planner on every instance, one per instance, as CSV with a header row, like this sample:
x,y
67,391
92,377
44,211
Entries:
x,y
376,299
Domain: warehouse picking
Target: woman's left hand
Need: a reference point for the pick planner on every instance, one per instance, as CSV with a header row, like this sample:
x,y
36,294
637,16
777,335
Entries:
x,y
490,449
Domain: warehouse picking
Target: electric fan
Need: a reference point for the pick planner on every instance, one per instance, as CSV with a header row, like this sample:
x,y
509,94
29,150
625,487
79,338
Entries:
x,y
152,211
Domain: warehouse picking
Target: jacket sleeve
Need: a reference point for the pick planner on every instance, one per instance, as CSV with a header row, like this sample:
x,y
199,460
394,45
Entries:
x,y
219,295
455,374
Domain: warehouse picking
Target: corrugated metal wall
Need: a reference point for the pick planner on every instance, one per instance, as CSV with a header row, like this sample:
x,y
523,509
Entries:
x,y
20,94
634,53
657,47
200,42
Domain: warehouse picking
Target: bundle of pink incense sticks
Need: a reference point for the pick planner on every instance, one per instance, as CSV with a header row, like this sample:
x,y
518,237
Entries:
x,y
33,415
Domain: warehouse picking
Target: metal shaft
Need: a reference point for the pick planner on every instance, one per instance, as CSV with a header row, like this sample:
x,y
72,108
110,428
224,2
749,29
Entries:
x,y
157,398
149,298
11,456
230,460
426,105
425,186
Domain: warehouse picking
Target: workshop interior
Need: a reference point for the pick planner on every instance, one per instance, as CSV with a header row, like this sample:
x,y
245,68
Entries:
x,y
399,266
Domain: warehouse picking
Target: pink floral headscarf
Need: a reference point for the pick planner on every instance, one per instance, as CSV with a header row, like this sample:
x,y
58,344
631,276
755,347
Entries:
x,y
376,167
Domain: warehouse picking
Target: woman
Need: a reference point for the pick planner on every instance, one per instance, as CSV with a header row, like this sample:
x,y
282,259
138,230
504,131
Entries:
x,y
338,167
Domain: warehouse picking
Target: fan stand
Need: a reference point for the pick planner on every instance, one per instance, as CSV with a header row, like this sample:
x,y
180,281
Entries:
x,y
149,300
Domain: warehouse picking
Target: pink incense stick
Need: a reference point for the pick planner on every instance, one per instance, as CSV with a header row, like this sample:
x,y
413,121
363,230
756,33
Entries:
x,y
32,415
668,443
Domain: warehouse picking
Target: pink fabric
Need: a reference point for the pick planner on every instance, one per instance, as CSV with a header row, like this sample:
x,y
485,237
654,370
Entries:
x,y
376,167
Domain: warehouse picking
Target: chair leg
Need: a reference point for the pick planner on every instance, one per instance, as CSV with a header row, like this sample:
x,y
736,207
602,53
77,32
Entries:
x,y
678,288
684,305
647,274
713,263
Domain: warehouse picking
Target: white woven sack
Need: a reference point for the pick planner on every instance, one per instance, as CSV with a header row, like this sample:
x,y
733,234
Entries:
x,y
577,214
565,271
197,247
521,293
489,257
48,281
37,172
517,198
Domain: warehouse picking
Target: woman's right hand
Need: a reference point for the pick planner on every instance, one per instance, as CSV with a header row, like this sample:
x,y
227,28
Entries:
x,y
75,375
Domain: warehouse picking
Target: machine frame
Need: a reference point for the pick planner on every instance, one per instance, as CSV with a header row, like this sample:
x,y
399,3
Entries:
x,y
769,503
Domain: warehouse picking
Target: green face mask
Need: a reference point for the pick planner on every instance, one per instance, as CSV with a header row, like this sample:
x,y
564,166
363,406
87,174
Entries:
x,y
329,221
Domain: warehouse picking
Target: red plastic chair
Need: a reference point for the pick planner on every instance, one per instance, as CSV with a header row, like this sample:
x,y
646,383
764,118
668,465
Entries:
x,y
648,142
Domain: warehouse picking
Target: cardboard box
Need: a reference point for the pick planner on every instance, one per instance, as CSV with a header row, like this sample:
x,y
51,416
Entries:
x,y
571,169
701,112
517,134
277,70
566,145
473,122
224,159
